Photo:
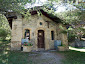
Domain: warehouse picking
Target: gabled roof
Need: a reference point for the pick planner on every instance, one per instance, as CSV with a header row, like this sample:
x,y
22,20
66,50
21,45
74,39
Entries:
x,y
11,15
51,16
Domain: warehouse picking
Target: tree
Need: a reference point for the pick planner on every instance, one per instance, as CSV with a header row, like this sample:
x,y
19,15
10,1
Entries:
x,y
70,17
4,27
3,34
12,5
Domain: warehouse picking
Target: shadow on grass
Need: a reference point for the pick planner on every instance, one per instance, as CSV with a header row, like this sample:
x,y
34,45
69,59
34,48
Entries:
x,y
12,57
3,51
18,57
74,57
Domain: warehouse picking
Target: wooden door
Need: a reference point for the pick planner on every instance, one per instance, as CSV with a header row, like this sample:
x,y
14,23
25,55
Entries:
x,y
41,39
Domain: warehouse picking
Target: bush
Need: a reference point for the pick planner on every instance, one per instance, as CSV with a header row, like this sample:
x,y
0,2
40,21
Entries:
x,y
71,37
3,33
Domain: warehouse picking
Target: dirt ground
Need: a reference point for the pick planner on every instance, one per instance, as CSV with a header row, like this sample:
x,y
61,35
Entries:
x,y
45,57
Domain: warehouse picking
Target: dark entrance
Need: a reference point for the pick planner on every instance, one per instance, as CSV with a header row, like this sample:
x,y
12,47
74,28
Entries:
x,y
41,39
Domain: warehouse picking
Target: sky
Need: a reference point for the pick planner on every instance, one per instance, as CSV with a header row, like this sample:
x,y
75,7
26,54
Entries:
x,y
61,7
41,1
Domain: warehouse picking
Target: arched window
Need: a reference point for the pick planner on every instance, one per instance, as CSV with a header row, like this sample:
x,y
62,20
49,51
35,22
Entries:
x,y
52,35
27,34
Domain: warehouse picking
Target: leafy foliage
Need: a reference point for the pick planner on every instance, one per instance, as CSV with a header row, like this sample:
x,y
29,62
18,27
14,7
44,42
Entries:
x,y
14,5
3,33
69,17
4,27
71,37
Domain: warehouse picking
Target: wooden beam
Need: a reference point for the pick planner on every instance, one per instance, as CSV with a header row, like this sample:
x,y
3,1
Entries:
x,y
10,22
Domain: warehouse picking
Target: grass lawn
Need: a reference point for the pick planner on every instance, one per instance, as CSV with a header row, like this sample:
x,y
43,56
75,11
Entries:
x,y
11,57
18,57
74,57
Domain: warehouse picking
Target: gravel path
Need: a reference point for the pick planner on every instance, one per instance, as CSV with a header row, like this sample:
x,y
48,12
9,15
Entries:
x,y
47,57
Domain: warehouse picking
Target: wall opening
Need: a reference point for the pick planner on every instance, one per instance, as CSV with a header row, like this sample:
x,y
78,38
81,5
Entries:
x,y
52,35
41,43
27,34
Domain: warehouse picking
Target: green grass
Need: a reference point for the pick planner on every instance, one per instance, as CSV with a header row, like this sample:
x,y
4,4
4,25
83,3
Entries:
x,y
14,57
18,57
74,57
11,57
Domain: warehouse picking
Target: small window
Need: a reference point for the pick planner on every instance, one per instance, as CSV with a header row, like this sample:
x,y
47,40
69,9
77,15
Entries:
x,y
27,34
40,23
52,35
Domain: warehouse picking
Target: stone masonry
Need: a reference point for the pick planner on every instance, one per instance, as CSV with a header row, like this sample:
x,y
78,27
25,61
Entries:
x,y
33,24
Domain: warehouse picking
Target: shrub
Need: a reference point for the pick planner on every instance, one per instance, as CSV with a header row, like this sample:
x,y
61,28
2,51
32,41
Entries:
x,y
71,37
3,33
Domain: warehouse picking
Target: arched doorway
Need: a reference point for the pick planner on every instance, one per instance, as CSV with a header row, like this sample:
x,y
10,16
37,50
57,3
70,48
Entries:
x,y
41,43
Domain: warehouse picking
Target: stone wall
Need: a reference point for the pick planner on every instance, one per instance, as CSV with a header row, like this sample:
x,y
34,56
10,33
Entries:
x,y
33,24
16,34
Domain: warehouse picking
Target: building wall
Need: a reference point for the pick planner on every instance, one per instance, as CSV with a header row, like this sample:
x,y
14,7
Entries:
x,y
16,34
33,24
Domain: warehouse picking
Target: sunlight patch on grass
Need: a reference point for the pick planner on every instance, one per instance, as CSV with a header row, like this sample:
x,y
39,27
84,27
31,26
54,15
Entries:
x,y
76,49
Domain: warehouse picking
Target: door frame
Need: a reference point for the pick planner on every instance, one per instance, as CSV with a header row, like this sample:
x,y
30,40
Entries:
x,y
43,38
